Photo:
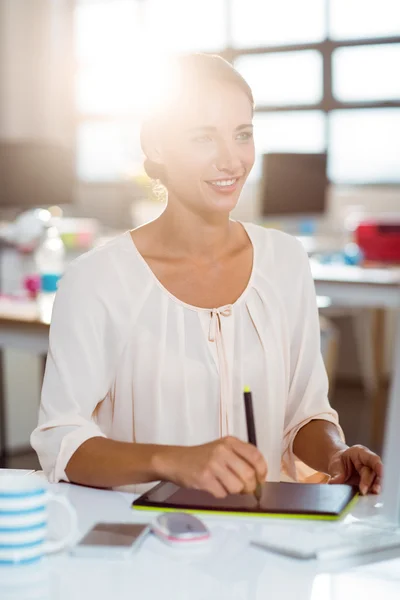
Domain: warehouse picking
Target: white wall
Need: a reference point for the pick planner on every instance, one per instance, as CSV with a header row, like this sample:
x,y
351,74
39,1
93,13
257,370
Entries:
x,y
36,73
36,70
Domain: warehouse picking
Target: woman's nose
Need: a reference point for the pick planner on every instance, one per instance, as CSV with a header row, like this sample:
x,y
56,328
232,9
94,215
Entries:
x,y
227,160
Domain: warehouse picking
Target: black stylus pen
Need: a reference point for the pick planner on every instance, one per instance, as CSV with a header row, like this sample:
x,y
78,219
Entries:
x,y
251,430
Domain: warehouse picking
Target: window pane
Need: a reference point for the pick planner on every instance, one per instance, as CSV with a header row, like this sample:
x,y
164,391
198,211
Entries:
x,y
365,146
283,78
367,73
96,94
106,30
186,25
108,36
108,91
364,18
120,88
268,22
300,131
107,151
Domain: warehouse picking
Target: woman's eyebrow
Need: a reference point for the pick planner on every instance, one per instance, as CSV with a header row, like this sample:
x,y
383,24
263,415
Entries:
x,y
245,126
203,128
212,128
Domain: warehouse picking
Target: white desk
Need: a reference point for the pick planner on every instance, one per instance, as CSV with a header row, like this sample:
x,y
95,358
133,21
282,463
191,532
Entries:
x,y
358,286
228,570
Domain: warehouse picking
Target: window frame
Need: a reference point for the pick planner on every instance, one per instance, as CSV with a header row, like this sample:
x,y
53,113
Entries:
x,y
326,49
328,102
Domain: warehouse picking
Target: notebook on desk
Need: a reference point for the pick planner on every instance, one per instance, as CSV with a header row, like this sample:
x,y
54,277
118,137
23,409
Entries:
x,y
279,499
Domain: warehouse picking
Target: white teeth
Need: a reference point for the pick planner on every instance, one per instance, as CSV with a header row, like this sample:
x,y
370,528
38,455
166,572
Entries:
x,y
224,182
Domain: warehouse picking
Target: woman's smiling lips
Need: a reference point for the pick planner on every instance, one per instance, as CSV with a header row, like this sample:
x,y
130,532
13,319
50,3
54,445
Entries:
x,y
224,186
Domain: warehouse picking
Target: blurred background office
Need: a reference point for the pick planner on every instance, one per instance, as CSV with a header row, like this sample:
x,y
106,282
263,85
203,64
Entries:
x,y
75,78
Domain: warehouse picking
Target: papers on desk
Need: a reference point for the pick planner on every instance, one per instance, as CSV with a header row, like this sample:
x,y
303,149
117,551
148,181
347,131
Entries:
x,y
326,541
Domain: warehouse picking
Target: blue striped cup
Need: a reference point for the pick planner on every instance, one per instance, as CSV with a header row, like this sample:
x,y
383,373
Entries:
x,y
23,520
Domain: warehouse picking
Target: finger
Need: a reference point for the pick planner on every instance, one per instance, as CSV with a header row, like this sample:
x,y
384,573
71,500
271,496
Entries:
x,y
369,459
244,471
377,486
231,482
251,455
368,465
371,481
214,487
367,476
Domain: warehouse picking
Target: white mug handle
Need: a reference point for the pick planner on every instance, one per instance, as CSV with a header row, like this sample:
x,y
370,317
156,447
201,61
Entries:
x,y
57,545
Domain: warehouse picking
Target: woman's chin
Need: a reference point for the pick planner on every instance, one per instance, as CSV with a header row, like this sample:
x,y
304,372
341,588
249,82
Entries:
x,y
223,202
223,205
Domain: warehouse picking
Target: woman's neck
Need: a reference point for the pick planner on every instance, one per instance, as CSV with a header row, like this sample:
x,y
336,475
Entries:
x,y
185,233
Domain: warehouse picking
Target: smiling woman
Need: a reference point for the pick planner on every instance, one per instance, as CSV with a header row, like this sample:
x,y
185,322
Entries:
x,y
155,335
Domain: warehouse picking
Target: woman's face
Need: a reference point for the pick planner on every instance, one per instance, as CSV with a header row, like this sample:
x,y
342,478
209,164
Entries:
x,y
207,150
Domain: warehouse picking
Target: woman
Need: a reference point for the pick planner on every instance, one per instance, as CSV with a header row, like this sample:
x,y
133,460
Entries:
x,y
155,334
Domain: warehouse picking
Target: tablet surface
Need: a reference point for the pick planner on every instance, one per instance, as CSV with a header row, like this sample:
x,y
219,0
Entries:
x,y
279,499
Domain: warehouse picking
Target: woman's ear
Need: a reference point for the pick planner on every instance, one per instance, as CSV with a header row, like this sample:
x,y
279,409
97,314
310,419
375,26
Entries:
x,y
150,142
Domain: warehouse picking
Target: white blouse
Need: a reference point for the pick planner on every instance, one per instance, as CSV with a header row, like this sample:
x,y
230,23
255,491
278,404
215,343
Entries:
x,y
129,361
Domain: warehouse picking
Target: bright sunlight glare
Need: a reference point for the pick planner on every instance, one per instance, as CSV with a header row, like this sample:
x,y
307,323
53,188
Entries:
x,y
118,87
123,70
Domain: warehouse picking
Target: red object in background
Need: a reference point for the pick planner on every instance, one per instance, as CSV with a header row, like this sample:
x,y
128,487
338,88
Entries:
x,y
379,241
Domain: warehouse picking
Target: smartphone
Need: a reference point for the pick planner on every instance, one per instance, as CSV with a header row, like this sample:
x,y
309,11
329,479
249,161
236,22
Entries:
x,y
111,540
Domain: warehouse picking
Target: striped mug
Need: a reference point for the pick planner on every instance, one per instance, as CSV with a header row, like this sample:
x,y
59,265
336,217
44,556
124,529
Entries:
x,y
23,520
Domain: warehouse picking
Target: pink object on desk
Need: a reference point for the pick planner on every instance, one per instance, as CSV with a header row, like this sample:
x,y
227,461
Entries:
x,y
32,285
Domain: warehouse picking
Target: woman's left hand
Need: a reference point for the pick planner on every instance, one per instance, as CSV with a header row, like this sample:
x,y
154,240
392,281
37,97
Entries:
x,y
357,466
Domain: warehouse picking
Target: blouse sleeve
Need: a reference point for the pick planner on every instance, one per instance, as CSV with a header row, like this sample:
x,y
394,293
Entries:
x,y
308,390
79,370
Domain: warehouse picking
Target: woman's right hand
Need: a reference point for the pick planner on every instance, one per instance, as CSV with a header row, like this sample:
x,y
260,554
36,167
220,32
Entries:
x,y
226,466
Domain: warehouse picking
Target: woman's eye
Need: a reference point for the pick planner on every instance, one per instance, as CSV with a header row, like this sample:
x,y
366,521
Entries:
x,y
201,139
244,136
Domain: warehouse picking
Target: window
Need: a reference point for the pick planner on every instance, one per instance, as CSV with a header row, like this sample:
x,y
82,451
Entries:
x,y
108,150
268,22
294,131
367,73
365,146
186,25
302,131
324,73
285,78
356,19
105,31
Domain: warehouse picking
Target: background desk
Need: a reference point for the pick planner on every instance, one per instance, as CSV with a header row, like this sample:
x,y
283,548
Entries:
x,y
367,288
230,569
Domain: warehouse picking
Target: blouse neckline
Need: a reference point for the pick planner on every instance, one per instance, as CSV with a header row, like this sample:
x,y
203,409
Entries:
x,y
191,306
